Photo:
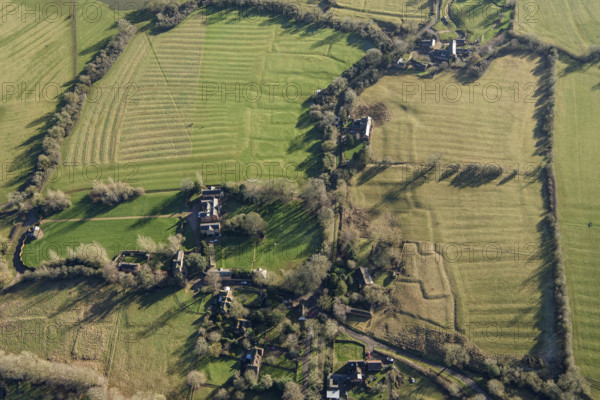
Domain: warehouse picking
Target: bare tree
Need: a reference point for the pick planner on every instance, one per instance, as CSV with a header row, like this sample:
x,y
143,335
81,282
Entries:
x,y
195,379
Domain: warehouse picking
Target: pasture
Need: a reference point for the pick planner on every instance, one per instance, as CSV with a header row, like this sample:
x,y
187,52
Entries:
x,y
481,19
486,232
114,235
488,239
487,121
224,95
141,341
576,149
37,71
386,11
157,203
571,25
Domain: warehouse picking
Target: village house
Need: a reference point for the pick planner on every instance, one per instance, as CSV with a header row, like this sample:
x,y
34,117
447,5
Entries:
x,y
210,228
361,128
400,63
129,267
178,262
440,55
355,368
427,44
254,359
333,388
225,299
374,365
241,326
419,66
35,233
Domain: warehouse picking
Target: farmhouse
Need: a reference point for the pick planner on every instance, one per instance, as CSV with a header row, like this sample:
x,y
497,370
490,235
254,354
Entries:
x,y
178,262
210,228
209,210
212,192
254,358
361,128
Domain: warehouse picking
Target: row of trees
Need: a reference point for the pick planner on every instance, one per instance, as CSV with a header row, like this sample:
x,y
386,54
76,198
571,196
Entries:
x,y
28,367
63,121
169,13
112,193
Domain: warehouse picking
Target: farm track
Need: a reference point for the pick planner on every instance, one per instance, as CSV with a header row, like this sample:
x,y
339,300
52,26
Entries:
x,y
176,215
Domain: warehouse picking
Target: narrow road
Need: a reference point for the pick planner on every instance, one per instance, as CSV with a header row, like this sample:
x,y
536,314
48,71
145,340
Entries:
x,y
176,215
372,343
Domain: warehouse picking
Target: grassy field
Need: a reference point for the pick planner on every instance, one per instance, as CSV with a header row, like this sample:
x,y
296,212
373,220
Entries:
x,y
485,232
36,72
158,203
572,25
211,95
292,235
346,351
385,11
576,149
143,342
113,235
434,118
481,19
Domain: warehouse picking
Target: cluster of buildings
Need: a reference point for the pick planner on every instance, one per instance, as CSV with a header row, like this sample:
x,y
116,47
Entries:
x,y
438,52
361,129
210,210
356,371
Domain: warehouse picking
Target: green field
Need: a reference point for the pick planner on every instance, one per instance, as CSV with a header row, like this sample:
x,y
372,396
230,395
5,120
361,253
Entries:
x,y
35,73
385,11
489,121
572,25
292,236
486,232
346,351
576,149
143,342
211,96
157,203
481,19
113,235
